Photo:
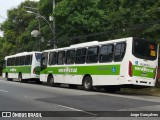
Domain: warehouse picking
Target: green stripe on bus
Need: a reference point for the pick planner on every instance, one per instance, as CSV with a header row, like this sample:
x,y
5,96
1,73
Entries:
x,y
142,71
17,69
22,69
81,70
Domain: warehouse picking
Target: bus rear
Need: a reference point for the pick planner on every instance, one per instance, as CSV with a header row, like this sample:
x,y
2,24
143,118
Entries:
x,y
143,63
35,67
22,66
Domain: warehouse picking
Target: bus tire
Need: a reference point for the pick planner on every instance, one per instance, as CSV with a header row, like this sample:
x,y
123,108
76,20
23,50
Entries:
x,y
20,77
9,79
87,83
50,80
6,76
72,86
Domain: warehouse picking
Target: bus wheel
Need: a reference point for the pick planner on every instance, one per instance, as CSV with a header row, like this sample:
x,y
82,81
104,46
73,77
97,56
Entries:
x,y
51,80
9,79
72,86
87,83
20,77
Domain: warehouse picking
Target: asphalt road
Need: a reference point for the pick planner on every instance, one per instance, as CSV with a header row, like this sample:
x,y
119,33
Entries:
x,y
22,97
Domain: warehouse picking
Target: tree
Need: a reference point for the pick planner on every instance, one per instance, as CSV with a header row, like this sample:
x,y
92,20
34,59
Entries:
x,y
80,21
16,32
115,19
78,18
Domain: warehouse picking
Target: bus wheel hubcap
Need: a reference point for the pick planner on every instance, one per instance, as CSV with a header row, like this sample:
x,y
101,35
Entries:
x,y
87,84
51,80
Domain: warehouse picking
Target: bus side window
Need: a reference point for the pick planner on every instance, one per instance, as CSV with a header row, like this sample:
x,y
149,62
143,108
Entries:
x,y
31,57
53,58
16,61
92,54
8,61
70,56
12,61
119,52
28,59
80,56
61,57
22,58
106,53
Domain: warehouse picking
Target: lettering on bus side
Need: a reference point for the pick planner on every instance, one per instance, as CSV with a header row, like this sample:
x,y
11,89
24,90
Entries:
x,y
13,70
144,69
67,70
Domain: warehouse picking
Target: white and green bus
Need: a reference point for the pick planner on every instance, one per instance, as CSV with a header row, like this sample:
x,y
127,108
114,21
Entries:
x,y
22,66
108,64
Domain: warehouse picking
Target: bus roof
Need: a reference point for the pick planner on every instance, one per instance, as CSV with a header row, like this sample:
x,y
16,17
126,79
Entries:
x,y
116,40
22,54
88,44
84,44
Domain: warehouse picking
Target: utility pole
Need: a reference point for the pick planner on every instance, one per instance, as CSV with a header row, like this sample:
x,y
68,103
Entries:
x,y
52,18
54,26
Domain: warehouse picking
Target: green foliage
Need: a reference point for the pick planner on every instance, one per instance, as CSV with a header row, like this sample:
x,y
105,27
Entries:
x,y
45,8
76,17
79,21
118,18
16,33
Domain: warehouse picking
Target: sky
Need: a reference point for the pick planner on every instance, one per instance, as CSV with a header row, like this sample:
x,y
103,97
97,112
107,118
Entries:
x,y
6,5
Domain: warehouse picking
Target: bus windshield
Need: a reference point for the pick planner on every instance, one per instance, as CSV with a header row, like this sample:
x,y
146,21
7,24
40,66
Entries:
x,y
38,56
144,49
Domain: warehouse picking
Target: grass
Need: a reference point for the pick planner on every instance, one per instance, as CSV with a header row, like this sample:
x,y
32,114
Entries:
x,y
153,91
